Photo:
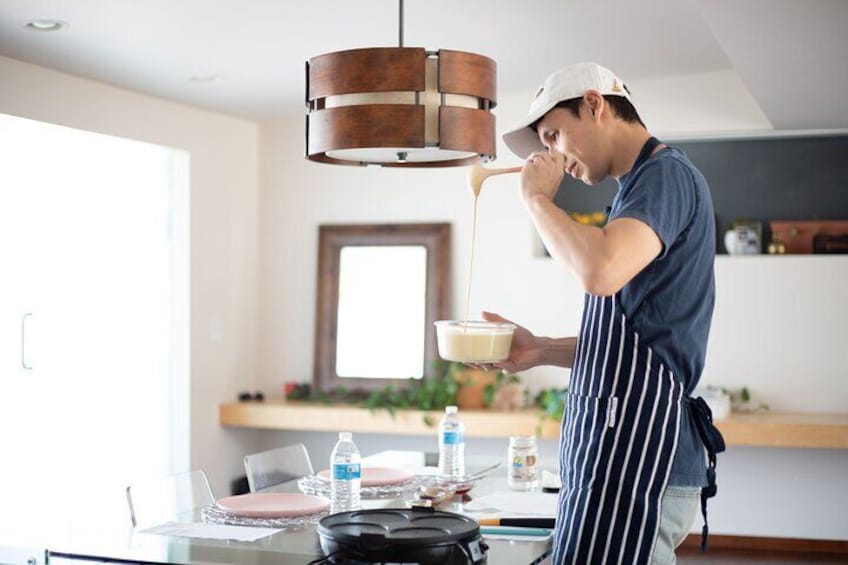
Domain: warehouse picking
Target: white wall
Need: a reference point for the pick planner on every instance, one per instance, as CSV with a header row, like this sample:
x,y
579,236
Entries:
x,y
780,327
792,306
224,199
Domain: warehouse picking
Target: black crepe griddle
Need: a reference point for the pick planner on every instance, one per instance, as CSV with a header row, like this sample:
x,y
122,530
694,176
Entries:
x,y
416,535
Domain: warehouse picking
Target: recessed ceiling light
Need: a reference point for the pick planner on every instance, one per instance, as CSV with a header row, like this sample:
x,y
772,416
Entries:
x,y
215,77
46,25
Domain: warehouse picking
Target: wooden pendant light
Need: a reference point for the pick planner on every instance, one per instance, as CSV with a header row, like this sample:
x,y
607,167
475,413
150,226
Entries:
x,y
400,107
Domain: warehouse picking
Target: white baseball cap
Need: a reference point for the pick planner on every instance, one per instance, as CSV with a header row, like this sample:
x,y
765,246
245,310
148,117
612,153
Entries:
x,y
567,83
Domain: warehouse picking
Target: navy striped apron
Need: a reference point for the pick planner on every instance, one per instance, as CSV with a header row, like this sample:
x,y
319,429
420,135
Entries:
x,y
619,437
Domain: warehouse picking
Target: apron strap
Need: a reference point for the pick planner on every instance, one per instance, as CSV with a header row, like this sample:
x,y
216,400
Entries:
x,y
646,152
714,442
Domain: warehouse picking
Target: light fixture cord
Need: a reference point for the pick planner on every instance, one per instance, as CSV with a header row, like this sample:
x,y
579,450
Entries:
x,y
400,24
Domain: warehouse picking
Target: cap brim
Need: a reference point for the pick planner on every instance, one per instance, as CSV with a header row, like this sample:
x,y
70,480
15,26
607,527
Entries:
x,y
522,139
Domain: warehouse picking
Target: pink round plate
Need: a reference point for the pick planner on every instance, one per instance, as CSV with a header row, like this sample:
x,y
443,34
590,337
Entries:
x,y
273,504
377,476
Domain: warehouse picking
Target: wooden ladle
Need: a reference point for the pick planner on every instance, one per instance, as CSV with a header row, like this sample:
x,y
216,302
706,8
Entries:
x,y
478,173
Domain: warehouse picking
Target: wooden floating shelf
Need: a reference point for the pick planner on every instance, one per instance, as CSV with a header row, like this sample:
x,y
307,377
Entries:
x,y
764,429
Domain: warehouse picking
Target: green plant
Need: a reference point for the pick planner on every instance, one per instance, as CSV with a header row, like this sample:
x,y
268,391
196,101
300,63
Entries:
x,y
741,400
432,393
551,401
305,392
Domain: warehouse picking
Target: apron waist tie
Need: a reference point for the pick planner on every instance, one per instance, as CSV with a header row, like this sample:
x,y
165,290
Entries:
x,y
714,442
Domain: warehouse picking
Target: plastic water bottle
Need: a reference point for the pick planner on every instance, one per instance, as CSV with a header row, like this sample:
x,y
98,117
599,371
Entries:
x,y
346,472
451,444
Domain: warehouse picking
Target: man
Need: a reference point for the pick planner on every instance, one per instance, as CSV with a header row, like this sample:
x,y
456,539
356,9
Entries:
x,y
631,454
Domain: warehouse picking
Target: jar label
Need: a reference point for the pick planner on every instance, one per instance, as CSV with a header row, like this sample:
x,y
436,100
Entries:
x,y
452,438
346,471
523,467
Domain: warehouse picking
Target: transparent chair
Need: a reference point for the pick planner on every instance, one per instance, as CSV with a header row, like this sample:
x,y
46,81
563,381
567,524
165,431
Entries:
x,y
174,498
275,466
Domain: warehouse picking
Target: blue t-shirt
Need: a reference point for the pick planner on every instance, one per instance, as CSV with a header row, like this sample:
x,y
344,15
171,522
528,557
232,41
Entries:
x,y
670,302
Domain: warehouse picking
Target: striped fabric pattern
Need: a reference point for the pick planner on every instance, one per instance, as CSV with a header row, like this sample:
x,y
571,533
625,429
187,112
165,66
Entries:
x,y
619,436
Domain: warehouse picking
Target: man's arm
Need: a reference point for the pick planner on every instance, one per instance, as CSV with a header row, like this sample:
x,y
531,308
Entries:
x,y
602,259
530,351
558,351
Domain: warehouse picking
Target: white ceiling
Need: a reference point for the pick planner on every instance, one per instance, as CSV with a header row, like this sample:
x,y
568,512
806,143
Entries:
x,y
792,55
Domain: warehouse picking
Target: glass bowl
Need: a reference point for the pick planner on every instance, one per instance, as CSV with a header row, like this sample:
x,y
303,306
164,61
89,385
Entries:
x,y
474,341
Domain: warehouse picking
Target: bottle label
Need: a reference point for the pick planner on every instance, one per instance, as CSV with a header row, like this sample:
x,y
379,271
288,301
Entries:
x,y
346,471
452,438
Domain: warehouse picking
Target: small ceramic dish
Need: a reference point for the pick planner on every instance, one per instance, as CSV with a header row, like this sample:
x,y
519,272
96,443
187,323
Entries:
x,y
377,476
273,504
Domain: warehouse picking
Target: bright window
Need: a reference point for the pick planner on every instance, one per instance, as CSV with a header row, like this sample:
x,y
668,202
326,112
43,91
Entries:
x,y
93,324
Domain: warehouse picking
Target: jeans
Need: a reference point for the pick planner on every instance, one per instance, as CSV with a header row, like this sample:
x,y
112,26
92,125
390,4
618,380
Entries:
x,y
677,513
678,510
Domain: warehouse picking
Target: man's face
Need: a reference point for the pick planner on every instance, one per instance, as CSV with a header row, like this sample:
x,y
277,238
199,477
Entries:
x,y
575,140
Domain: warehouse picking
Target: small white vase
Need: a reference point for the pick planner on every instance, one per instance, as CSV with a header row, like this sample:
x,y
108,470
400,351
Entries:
x,y
730,241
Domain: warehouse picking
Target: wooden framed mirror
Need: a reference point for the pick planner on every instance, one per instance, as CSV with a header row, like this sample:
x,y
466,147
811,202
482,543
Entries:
x,y
380,288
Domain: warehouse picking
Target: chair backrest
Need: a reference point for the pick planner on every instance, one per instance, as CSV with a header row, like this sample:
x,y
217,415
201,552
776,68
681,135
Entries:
x,y
275,466
168,499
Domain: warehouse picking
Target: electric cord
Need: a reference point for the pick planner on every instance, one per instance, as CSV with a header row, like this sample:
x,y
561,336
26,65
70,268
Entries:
x,y
483,548
325,559
464,551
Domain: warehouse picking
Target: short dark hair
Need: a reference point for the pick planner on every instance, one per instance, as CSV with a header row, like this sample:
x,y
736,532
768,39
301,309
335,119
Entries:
x,y
620,105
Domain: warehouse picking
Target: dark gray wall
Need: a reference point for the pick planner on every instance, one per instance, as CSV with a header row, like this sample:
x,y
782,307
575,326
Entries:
x,y
777,178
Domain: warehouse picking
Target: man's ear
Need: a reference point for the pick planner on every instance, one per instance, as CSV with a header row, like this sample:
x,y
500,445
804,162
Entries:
x,y
594,102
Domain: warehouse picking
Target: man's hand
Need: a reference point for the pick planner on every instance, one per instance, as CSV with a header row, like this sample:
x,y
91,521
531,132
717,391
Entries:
x,y
530,351
541,176
526,350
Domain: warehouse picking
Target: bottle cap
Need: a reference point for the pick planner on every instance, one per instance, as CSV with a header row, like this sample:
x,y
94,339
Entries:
x,y
451,409
345,436
522,441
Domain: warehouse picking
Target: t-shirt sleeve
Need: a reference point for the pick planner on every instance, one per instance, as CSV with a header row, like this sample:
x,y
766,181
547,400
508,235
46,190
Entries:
x,y
662,196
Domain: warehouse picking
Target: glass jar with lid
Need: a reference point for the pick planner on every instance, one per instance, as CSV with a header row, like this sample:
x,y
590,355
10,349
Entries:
x,y
523,457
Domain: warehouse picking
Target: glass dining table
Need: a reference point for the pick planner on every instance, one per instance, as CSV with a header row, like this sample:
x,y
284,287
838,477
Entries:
x,y
117,544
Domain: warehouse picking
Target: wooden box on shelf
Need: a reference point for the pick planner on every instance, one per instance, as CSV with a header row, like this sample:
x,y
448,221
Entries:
x,y
797,236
